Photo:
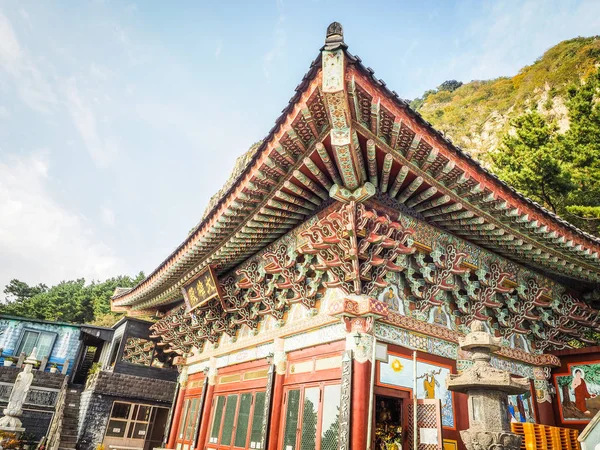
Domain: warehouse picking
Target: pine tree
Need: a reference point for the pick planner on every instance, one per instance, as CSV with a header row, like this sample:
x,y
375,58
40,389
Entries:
x,y
529,161
581,147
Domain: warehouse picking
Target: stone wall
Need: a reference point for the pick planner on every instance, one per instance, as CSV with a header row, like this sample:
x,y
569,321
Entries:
x,y
41,379
108,387
36,422
94,411
41,400
133,387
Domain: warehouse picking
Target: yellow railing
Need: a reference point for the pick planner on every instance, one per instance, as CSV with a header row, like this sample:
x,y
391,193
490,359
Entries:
x,y
544,437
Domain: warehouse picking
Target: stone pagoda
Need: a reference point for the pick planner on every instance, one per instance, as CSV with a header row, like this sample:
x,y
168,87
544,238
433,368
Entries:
x,y
488,389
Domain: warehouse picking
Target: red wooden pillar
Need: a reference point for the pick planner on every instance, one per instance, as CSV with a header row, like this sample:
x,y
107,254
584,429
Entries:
x,y
545,413
361,377
203,432
176,417
276,411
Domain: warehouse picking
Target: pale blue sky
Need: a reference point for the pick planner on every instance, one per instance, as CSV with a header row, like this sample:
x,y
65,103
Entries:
x,y
119,120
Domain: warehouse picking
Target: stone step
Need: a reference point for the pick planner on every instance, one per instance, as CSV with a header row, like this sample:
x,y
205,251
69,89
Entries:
x,y
67,436
68,441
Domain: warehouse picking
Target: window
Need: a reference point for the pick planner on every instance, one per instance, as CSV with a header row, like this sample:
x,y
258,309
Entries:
x,y
312,417
187,427
229,418
216,426
141,351
237,420
243,420
114,352
130,420
184,415
259,414
42,341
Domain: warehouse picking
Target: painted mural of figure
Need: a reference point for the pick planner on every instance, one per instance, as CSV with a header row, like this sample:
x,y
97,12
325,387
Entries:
x,y
439,317
393,301
581,392
429,384
519,342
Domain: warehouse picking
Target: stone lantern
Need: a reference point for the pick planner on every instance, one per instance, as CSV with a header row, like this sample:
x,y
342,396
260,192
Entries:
x,y
488,389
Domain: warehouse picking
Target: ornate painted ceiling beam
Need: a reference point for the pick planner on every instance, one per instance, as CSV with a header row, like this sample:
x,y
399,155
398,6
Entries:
x,y
473,191
400,177
336,98
329,165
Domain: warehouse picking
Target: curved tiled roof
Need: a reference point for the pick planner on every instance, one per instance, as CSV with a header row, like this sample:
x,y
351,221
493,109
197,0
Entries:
x,y
216,228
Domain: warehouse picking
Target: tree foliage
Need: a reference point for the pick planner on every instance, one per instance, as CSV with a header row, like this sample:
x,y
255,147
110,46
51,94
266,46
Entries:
x,y
450,85
560,171
477,114
529,161
69,301
18,291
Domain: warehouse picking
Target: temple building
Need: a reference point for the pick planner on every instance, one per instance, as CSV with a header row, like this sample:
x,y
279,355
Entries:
x,y
330,279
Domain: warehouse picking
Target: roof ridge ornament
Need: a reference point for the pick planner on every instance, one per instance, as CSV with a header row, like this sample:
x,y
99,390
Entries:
x,y
334,38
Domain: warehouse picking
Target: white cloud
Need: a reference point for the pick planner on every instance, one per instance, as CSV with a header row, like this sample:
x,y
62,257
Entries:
x,y
31,84
40,240
279,42
102,150
4,113
108,216
25,15
99,72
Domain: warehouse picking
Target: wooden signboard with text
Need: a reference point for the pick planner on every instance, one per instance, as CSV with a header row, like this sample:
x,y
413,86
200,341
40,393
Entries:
x,y
202,288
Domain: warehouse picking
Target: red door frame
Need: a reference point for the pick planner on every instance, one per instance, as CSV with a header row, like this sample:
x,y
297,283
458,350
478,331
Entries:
x,y
239,394
302,381
237,387
193,390
303,387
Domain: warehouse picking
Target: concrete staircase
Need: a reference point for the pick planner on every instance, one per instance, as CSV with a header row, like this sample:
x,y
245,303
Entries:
x,y
70,420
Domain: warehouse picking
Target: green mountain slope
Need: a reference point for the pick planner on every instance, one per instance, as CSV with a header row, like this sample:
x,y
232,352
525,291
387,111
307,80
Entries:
x,y
477,114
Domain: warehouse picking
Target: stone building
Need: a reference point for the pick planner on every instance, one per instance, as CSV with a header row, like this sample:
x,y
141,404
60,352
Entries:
x,y
127,400
92,385
329,281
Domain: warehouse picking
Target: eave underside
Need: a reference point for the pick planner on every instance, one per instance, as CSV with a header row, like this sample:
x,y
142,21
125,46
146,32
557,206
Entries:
x,y
350,250
404,159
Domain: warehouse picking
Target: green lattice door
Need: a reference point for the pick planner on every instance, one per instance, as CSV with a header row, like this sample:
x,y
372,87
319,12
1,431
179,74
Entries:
x,y
236,420
311,418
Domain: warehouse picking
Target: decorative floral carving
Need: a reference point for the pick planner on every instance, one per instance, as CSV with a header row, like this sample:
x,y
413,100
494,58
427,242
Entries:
x,y
356,247
435,278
